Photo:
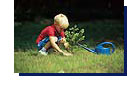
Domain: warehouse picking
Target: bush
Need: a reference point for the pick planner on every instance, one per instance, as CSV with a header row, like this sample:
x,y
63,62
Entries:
x,y
75,35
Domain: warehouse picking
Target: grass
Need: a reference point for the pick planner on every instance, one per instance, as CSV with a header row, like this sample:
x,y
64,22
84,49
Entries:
x,y
81,62
28,60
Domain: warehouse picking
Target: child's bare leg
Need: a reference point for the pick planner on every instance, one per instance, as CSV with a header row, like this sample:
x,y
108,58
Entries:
x,y
48,44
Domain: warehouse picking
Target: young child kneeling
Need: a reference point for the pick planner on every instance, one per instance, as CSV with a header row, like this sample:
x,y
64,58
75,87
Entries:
x,y
51,35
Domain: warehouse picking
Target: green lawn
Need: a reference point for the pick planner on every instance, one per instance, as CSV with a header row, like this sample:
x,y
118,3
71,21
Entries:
x,y
81,62
28,60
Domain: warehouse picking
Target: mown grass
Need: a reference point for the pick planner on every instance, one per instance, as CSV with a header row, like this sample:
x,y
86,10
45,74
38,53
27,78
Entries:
x,y
81,62
28,60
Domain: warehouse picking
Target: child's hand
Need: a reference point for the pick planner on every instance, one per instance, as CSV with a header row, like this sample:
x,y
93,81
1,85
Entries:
x,y
67,54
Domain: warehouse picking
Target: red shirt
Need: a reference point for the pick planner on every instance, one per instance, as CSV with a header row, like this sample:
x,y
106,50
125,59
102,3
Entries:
x,y
49,31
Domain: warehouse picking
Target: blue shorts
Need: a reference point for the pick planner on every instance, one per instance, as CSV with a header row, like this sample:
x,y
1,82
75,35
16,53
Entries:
x,y
42,43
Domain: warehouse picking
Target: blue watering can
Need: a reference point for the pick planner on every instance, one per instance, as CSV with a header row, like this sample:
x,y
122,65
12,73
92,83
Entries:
x,y
100,49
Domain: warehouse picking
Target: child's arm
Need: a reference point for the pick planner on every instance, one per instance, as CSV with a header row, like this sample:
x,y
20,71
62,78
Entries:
x,y
54,45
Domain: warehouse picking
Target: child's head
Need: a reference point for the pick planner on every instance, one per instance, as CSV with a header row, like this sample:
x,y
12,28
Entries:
x,y
61,20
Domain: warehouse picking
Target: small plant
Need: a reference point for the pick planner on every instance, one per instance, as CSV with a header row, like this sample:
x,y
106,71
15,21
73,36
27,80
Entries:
x,y
74,35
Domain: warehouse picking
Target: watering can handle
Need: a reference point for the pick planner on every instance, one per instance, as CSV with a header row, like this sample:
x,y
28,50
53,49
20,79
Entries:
x,y
113,46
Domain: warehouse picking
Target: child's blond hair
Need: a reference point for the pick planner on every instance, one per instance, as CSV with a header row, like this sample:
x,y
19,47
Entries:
x,y
62,20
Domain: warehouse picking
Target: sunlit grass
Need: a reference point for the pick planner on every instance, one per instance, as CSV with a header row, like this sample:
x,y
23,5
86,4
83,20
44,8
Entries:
x,y
81,62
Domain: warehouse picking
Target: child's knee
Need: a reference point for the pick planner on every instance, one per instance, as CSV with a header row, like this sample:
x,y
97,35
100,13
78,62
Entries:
x,y
56,39
62,41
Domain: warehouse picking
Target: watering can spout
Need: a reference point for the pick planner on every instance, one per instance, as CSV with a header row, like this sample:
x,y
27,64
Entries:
x,y
88,49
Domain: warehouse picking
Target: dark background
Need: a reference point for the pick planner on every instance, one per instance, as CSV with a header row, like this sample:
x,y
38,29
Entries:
x,y
76,10
103,20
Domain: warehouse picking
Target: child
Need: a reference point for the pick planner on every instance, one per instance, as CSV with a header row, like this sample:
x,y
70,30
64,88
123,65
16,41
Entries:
x,y
52,35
